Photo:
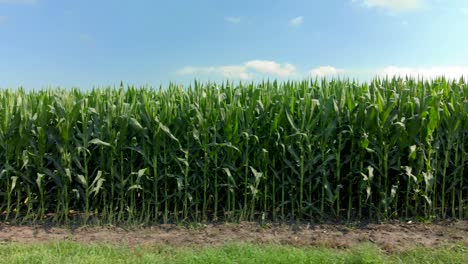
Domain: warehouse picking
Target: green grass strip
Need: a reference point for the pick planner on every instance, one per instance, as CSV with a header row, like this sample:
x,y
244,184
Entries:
x,y
71,252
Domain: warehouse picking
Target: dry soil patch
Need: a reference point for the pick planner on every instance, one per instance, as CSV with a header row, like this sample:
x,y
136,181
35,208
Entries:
x,y
390,237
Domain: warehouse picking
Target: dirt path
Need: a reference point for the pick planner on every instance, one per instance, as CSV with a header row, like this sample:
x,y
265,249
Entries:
x,y
389,237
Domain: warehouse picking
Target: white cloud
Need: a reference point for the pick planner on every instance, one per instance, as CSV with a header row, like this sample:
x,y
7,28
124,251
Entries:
x,y
256,68
297,21
393,5
324,71
19,2
233,20
234,72
451,72
271,67
244,71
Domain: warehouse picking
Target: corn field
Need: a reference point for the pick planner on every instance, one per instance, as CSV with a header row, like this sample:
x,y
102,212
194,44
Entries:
x,y
316,149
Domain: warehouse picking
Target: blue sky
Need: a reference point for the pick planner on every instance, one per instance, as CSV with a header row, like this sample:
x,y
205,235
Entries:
x,y
96,43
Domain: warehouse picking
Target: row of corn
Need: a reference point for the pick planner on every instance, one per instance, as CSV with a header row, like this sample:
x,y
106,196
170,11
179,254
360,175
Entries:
x,y
310,150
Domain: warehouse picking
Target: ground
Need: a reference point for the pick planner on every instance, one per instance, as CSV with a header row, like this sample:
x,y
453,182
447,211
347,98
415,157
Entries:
x,y
390,237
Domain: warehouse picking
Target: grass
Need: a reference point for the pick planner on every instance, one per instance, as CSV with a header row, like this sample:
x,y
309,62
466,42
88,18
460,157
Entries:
x,y
71,252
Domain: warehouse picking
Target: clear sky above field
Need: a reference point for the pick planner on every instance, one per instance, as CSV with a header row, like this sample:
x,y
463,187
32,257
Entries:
x,y
100,42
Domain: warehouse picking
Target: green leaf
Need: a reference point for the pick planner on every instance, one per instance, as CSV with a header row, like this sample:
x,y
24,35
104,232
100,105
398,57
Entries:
x,y
257,175
82,180
412,153
135,187
39,178
141,172
135,124
13,183
97,141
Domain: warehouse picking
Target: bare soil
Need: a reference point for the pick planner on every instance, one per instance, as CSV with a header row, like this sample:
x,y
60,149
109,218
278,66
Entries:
x,y
390,237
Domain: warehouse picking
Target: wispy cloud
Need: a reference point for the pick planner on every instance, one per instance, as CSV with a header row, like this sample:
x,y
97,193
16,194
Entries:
x,y
451,72
231,72
233,20
244,71
271,67
464,11
256,68
187,70
392,5
448,71
234,72
3,19
297,21
86,39
19,2
325,71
